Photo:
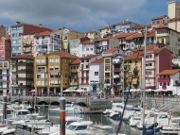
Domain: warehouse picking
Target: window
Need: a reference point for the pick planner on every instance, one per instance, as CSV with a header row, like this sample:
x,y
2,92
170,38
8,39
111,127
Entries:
x,y
92,49
107,60
87,49
96,73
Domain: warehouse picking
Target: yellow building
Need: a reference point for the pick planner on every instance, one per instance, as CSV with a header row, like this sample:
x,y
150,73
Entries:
x,y
52,73
133,70
68,35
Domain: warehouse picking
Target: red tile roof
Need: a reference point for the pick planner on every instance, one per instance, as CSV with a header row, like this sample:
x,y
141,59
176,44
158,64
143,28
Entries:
x,y
76,61
45,33
122,23
170,72
111,50
98,61
140,35
102,39
90,31
22,56
160,26
63,54
31,28
123,35
159,17
134,56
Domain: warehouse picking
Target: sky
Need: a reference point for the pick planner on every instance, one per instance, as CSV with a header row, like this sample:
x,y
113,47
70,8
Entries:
x,y
81,15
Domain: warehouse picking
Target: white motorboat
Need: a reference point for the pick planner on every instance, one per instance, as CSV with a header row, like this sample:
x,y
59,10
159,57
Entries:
x,y
161,118
172,128
53,129
81,127
4,130
134,120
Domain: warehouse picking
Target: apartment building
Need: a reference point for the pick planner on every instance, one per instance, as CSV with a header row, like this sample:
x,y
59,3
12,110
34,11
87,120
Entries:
x,y
5,48
22,75
101,45
75,73
4,78
67,35
47,42
169,38
84,71
52,73
159,20
169,81
82,47
22,28
96,76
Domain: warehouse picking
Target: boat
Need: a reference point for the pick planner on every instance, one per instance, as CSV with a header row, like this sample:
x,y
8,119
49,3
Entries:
x,y
172,128
53,129
81,127
5,130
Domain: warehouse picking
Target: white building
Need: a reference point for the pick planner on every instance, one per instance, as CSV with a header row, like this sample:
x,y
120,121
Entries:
x,y
169,81
96,75
47,42
82,47
4,77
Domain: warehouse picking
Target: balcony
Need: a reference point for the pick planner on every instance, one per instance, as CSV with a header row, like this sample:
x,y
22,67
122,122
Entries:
x,y
116,76
164,79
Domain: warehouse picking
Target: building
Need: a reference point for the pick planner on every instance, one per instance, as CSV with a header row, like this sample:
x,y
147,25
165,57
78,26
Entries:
x,y
47,42
22,28
169,38
174,15
84,71
173,9
22,75
159,20
5,48
3,31
133,70
75,72
67,36
101,45
157,60
104,31
169,81
92,34
123,26
4,78
52,73
82,47
96,76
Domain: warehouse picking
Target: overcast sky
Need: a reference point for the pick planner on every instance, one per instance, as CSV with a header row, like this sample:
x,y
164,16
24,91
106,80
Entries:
x,y
79,14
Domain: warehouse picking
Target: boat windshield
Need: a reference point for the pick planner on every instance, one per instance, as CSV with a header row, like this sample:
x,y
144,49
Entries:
x,y
81,127
72,127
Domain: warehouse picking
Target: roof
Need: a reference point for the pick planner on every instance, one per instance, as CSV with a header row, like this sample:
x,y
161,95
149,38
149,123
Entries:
x,y
140,35
63,54
174,19
45,33
170,72
160,26
86,41
134,56
123,35
102,39
159,17
22,56
111,50
98,61
123,23
76,61
31,28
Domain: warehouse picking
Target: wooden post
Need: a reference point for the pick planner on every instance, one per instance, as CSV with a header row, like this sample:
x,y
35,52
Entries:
x,y
62,116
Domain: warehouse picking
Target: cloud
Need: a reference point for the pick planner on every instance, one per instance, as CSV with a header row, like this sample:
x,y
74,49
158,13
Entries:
x,y
86,13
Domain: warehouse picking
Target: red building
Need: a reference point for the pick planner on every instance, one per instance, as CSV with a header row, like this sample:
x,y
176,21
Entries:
x,y
5,48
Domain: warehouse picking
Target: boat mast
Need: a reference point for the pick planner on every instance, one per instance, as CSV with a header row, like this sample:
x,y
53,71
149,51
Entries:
x,y
144,82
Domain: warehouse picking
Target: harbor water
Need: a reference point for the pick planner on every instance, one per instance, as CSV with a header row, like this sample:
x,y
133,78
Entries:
x,y
97,118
